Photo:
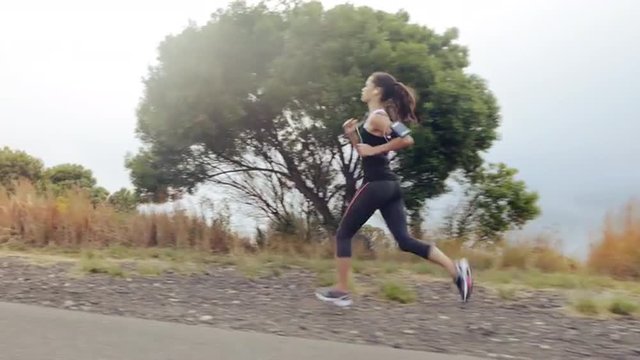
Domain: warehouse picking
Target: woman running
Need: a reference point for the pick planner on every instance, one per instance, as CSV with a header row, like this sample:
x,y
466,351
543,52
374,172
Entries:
x,y
391,105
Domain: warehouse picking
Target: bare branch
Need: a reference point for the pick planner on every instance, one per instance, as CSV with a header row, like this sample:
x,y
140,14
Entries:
x,y
249,169
249,195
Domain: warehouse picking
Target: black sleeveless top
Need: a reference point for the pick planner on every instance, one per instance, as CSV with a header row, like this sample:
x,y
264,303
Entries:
x,y
376,167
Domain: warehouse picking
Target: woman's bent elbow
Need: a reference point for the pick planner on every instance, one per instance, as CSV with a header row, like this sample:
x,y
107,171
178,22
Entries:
x,y
408,140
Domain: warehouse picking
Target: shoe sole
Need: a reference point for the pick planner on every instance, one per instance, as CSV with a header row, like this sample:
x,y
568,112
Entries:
x,y
338,302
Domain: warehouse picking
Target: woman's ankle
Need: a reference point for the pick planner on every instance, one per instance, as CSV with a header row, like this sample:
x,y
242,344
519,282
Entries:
x,y
438,257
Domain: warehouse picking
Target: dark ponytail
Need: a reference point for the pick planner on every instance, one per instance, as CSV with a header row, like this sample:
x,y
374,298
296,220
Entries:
x,y
398,99
405,103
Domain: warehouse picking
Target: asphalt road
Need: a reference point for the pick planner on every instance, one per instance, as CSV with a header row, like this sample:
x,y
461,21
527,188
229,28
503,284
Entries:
x,y
38,333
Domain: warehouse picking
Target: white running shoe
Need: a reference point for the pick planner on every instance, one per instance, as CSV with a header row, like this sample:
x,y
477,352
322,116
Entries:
x,y
464,280
333,296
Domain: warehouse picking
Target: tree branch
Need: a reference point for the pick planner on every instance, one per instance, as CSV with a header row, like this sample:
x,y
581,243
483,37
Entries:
x,y
249,169
252,196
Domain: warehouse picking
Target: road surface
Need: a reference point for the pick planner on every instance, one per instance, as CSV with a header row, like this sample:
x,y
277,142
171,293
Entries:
x,y
38,333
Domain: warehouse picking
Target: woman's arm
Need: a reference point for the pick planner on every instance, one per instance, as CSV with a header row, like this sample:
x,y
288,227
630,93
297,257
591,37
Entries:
x,y
383,125
351,131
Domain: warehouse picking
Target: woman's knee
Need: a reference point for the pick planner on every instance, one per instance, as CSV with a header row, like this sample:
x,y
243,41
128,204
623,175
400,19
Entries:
x,y
343,244
406,243
411,245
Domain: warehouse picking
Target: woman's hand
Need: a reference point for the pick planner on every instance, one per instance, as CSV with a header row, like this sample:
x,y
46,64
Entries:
x,y
349,126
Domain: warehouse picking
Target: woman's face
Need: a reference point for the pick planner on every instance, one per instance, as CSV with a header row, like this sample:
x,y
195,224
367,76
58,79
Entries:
x,y
369,91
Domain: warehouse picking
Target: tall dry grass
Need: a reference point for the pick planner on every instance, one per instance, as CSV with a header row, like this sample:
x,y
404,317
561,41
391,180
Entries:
x,y
31,218
617,253
541,253
37,219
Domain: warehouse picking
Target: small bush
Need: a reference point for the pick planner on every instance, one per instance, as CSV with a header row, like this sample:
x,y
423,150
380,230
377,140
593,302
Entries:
x,y
97,265
586,306
623,307
395,291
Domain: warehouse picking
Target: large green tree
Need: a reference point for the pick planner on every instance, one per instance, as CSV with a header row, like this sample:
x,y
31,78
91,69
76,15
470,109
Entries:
x,y
254,100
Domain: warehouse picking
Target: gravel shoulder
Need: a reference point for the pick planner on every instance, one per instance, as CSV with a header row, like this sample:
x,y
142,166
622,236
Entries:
x,y
533,325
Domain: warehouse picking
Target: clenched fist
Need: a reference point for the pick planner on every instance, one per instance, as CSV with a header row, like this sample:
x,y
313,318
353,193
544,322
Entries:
x,y
349,126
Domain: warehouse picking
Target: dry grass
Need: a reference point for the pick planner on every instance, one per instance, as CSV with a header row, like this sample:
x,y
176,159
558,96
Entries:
x,y
617,253
560,281
478,259
540,253
32,219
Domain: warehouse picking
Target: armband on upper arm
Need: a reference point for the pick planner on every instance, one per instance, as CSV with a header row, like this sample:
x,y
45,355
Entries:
x,y
399,129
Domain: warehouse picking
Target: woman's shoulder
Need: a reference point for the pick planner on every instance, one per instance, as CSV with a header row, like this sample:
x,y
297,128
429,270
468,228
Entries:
x,y
379,112
378,116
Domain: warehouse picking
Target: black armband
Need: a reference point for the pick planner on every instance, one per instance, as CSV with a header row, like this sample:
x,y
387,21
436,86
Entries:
x,y
399,129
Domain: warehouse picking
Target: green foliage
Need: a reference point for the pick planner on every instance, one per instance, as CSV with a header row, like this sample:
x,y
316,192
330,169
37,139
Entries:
x,y
259,101
124,200
68,176
17,164
72,177
495,202
99,194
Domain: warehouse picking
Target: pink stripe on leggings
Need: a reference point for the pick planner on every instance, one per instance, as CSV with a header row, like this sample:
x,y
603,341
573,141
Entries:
x,y
354,199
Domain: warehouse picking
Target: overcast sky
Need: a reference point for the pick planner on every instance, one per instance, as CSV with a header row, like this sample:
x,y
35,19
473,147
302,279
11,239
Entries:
x,y
566,75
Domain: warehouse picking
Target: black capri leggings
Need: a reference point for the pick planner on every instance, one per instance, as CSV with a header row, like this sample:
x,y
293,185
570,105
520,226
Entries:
x,y
385,196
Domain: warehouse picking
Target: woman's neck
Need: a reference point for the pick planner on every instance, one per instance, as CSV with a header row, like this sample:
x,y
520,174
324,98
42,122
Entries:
x,y
374,105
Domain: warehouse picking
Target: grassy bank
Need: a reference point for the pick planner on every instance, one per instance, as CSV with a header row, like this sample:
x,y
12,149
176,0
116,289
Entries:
x,y
393,280
99,239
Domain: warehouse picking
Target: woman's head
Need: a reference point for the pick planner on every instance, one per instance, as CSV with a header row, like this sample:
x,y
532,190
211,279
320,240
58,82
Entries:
x,y
397,99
